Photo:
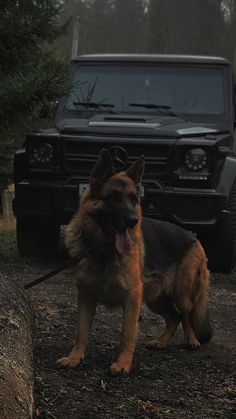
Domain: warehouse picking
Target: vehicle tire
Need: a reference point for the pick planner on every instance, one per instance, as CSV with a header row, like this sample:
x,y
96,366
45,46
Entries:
x,y
220,245
37,237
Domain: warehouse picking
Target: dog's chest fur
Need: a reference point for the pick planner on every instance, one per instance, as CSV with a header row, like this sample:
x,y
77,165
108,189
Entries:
x,y
106,278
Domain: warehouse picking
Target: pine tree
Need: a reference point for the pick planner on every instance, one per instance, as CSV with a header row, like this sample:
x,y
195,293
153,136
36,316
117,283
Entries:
x,y
110,26
157,26
229,9
128,26
185,26
31,76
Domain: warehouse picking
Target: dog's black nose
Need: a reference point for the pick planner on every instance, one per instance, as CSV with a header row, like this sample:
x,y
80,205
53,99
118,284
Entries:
x,y
132,221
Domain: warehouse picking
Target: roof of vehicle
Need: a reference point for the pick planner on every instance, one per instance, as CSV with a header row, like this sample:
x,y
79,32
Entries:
x,y
200,59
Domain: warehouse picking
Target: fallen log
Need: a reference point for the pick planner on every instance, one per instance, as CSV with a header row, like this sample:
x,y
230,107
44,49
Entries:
x,y
16,351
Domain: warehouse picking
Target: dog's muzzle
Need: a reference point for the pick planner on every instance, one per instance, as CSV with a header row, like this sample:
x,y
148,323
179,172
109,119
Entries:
x,y
132,221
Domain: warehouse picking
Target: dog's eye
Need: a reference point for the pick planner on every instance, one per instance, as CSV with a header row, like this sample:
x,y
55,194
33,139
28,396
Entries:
x,y
133,198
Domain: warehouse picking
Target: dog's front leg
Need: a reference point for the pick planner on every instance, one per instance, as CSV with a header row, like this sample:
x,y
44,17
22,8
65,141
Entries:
x,y
87,310
131,313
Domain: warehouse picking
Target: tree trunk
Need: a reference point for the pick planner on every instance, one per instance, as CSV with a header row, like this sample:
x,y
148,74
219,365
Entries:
x,y
6,200
16,354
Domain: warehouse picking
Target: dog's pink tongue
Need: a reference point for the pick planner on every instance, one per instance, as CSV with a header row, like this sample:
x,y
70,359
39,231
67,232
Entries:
x,y
123,242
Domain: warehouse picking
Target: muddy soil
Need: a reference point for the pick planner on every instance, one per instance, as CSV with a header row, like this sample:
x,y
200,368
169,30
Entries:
x,y
171,383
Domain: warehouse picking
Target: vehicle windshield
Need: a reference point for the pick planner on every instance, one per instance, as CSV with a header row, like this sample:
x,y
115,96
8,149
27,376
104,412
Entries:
x,y
182,89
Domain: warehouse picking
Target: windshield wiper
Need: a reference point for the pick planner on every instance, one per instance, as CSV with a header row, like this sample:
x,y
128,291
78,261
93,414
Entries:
x,y
167,110
95,105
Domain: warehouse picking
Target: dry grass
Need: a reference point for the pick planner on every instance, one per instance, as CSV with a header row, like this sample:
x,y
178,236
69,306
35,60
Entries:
x,y
8,247
7,224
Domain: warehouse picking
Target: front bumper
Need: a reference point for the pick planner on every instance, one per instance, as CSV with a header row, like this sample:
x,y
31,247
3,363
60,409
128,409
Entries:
x,y
60,199
46,199
186,206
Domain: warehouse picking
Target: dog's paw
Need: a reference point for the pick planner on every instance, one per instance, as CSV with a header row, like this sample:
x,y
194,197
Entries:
x,y
192,344
120,368
71,361
156,344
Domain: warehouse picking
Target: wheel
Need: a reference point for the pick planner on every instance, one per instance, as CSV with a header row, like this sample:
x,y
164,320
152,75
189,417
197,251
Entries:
x,y
37,237
220,244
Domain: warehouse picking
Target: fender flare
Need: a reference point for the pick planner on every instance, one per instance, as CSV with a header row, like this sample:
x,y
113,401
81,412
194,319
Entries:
x,y
20,165
227,177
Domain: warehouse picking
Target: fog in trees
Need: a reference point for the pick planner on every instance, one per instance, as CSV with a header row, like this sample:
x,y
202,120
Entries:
x,y
149,26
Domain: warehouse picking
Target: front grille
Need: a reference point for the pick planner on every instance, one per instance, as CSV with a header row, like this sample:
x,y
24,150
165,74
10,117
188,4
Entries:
x,y
81,156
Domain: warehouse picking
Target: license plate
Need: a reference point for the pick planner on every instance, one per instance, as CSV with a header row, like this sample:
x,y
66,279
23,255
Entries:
x,y
84,186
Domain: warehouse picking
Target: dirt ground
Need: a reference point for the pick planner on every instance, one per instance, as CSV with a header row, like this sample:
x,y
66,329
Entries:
x,y
171,383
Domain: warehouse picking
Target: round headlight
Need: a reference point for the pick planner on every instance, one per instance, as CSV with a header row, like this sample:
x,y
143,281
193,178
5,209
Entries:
x,y
195,159
42,153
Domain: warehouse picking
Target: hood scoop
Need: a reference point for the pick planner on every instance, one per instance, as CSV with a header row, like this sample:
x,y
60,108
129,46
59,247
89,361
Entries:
x,y
124,121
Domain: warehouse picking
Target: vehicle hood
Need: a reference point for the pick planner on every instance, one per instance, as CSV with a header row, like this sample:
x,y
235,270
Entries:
x,y
161,126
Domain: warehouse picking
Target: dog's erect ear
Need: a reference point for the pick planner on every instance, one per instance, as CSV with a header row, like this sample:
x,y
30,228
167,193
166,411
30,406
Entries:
x,y
135,172
103,169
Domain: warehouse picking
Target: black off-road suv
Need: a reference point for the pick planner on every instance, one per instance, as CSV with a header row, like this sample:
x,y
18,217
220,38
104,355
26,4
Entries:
x,y
176,110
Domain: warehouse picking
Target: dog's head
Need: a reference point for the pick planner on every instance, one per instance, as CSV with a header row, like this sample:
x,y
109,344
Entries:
x,y
118,195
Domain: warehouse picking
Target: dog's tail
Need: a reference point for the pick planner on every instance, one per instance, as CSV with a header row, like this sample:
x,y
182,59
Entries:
x,y
199,316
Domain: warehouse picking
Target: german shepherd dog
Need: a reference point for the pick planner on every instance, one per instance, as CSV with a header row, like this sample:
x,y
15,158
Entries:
x,y
107,236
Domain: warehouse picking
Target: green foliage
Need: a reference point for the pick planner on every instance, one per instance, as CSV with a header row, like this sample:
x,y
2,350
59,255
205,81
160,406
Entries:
x,y
31,76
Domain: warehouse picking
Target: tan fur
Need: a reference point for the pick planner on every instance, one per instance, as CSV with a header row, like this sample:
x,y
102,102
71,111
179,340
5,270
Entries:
x,y
103,275
106,275
180,294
